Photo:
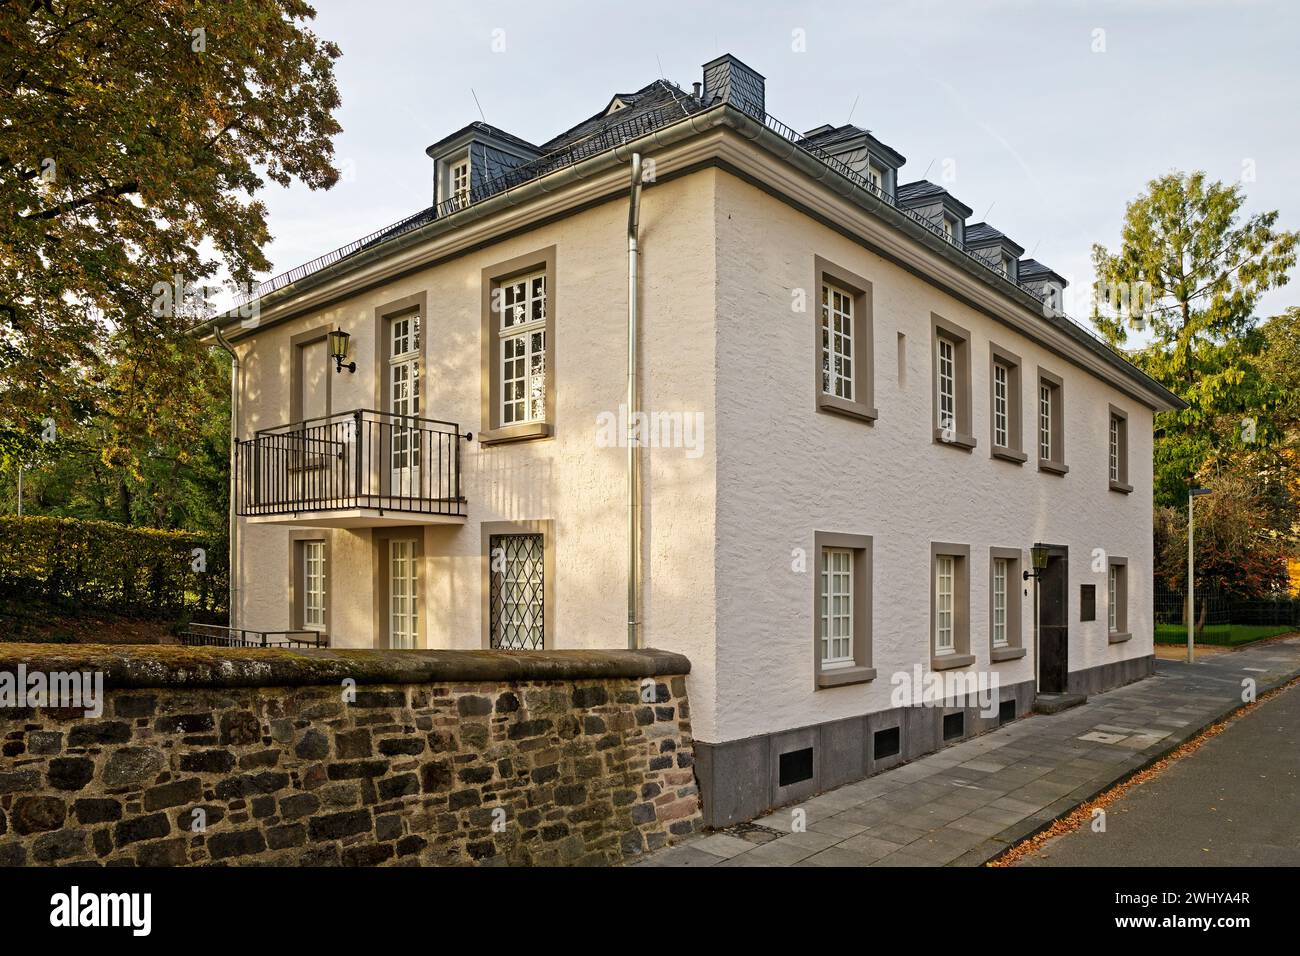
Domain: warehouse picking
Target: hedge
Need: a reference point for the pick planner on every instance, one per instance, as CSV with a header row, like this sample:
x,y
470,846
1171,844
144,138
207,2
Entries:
x,y
142,572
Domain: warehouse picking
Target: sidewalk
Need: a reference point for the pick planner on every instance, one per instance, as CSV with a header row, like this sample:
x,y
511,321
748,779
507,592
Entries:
x,y
966,803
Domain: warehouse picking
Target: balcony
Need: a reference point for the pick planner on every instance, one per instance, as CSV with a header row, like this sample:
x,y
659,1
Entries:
x,y
357,469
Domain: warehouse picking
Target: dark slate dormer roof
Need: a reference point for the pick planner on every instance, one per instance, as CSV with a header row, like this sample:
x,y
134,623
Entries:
x,y
658,94
480,131
923,193
1031,270
829,137
981,234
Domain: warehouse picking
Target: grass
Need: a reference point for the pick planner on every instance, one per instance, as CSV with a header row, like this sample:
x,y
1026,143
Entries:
x,y
1222,635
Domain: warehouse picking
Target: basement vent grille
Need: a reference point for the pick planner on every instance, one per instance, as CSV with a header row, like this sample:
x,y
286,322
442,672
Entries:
x,y
954,725
1007,711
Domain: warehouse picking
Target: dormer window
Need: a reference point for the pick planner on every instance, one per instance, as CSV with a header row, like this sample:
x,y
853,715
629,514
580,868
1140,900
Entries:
x,y
1008,267
949,229
876,177
459,181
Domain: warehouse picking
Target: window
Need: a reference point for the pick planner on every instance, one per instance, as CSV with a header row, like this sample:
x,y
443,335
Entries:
x,y
1001,406
459,182
876,177
841,609
403,594
518,592
518,585
309,581
1000,602
949,229
523,350
949,606
404,402
837,342
1008,267
1117,600
944,628
837,607
947,385
1050,420
519,349
952,389
1118,454
1005,604
843,339
313,586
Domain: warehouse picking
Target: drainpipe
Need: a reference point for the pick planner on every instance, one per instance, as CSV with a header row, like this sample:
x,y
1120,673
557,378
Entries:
x,y
232,560
633,408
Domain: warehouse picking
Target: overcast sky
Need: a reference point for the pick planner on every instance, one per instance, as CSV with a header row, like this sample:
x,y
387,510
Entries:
x,y
1049,116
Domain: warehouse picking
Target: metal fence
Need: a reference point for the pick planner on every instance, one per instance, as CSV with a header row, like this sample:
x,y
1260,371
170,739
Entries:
x,y
218,635
1220,608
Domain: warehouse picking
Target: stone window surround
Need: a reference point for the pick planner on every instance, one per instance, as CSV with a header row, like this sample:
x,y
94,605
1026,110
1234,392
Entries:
x,y
940,327
1056,464
297,599
491,432
862,407
1014,450
1121,632
380,564
1015,647
861,670
1122,486
961,655
546,528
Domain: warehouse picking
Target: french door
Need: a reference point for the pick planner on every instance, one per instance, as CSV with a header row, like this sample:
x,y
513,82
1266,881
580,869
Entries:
x,y
404,403
403,594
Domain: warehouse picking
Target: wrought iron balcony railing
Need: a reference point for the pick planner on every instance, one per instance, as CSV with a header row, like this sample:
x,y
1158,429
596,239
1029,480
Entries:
x,y
352,460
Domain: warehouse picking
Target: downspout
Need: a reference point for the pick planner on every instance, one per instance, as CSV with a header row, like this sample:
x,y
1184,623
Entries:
x,y
633,411
232,561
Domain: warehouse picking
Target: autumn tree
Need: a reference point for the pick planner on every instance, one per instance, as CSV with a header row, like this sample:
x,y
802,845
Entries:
x,y
1191,269
134,137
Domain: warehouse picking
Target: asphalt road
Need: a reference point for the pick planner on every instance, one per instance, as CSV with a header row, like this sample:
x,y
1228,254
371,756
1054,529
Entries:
x,y
1234,802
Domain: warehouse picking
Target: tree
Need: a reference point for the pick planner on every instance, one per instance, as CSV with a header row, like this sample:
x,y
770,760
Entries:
x,y
133,139
1193,270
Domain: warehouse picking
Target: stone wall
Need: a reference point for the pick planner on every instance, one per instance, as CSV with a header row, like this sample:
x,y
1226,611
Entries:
x,y
354,758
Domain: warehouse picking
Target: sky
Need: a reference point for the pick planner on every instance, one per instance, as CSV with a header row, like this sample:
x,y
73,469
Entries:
x,y
1045,117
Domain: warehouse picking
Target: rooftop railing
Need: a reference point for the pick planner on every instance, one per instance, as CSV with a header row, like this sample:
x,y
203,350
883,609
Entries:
x,y
619,134
219,635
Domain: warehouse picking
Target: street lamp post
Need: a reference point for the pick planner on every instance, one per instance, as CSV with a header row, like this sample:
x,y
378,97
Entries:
x,y
1192,495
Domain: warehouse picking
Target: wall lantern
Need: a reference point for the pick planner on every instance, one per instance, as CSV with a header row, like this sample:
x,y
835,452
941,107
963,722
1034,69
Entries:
x,y
340,345
1038,556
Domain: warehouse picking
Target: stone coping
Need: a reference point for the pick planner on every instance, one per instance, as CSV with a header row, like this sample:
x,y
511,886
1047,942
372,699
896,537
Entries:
x,y
165,665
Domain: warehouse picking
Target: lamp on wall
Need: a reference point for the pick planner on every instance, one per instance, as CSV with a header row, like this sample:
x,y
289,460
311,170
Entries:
x,y
1038,557
340,345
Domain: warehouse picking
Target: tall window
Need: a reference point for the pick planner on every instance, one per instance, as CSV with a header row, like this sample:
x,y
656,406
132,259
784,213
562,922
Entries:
x,y
523,349
1114,448
516,567
947,384
404,401
460,182
1001,569
837,607
875,177
403,596
1112,603
1044,421
944,591
837,342
949,228
313,585
1001,422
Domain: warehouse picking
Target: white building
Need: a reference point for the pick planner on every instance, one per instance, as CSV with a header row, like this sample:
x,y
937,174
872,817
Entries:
x,y
860,414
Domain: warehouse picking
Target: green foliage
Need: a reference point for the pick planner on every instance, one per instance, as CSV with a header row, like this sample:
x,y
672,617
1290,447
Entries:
x,y
96,565
1220,635
1192,270
135,138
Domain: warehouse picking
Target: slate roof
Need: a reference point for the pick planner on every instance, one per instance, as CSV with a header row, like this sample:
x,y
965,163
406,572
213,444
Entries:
x,y
827,137
1031,270
980,234
647,99
923,192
